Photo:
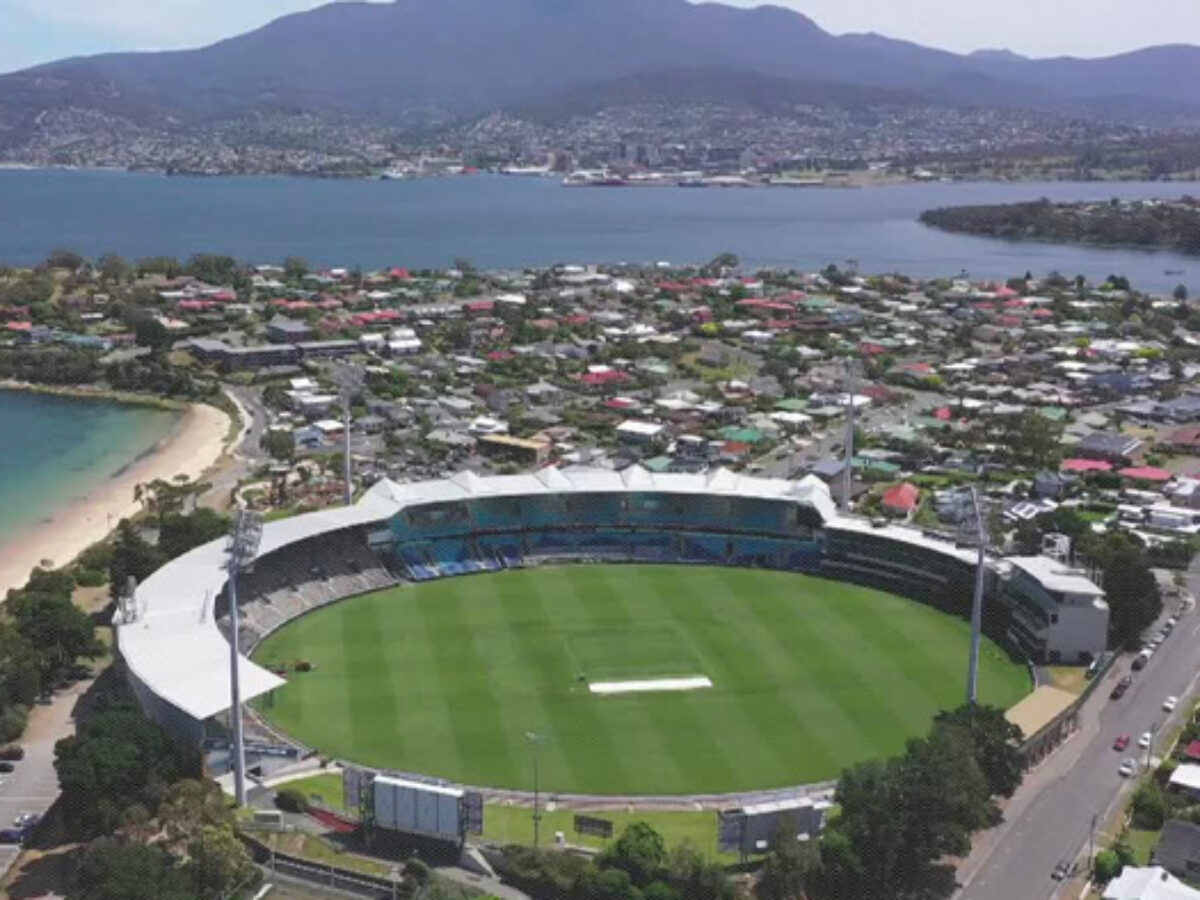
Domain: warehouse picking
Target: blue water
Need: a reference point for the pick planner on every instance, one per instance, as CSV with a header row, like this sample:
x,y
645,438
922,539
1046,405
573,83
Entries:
x,y
56,449
496,222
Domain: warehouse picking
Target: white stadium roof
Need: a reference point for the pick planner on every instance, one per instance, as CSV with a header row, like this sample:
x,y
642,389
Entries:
x,y
176,651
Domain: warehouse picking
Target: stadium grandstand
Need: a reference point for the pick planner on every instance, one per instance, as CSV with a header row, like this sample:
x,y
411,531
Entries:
x,y
172,637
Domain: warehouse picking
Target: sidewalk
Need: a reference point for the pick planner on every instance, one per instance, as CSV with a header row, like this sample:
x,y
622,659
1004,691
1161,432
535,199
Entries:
x,y
1051,769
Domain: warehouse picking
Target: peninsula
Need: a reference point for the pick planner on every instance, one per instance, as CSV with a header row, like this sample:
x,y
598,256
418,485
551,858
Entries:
x,y
1164,224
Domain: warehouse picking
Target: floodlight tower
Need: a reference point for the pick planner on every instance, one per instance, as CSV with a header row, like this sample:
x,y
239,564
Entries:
x,y
536,740
851,417
981,538
243,547
350,382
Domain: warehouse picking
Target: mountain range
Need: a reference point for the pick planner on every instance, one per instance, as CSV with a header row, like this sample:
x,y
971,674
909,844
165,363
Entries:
x,y
466,57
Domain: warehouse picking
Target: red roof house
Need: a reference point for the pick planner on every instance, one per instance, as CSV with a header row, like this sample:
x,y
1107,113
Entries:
x,y
901,499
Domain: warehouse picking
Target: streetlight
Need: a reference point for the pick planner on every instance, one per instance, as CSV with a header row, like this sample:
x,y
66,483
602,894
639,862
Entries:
x,y
981,537
536,740
243,547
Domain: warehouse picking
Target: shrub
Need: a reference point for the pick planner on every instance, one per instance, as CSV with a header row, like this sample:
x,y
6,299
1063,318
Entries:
x,y
12,723
1106,866
291,800
91,578
1149,809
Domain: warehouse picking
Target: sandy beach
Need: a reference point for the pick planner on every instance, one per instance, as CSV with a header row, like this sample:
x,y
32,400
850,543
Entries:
x,y
195,445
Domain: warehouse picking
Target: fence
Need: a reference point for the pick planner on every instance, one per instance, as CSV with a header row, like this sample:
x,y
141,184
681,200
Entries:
x,y
323,874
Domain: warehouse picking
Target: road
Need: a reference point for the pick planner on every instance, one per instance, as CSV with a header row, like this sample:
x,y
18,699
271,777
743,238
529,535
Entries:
x,y
785,461
33,784
1059,799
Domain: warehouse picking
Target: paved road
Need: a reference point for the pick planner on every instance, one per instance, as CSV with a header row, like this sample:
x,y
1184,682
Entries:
x,y
1079,781
33,784
785,461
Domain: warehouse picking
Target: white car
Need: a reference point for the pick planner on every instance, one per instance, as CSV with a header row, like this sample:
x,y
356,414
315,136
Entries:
x,y
1170,703
1145,740
1128,767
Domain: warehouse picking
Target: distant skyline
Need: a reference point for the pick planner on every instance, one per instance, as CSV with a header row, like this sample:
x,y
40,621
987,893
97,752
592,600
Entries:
x,y
37,31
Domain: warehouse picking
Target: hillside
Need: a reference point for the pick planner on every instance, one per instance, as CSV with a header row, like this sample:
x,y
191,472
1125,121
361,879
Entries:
x,y
471,56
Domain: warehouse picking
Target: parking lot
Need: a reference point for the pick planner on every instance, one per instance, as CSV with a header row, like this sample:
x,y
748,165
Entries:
x,y
32,786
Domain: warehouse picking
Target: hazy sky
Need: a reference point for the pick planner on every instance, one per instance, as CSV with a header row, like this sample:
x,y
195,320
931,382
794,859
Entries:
x,y
33,31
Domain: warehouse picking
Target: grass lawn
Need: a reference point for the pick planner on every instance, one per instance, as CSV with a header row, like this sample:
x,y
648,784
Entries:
x,y
1142,843
514,825
448,677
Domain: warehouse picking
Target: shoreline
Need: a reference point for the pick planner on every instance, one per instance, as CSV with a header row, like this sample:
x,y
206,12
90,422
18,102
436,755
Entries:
x,y
195,445
88,392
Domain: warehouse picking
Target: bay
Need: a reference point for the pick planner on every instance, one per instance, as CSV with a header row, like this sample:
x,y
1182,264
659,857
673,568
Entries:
x,y
498,221
56,449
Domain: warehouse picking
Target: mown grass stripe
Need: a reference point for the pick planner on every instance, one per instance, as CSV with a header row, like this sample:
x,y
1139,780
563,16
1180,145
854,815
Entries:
x,y
443,677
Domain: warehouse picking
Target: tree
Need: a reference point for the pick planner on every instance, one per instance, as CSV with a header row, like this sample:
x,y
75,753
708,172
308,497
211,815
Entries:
x,y
690,876
117,759
1149,807
65,259
1180,293
217,862
189,805
1132,592
1106,867
606,884
149,332
113,268
179,533
789,867
1033,439
295,268
116,870
59,630
639,851
132,557
213,268
996,745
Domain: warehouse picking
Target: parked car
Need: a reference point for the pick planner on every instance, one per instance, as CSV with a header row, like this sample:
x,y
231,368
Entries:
x,y
1121,742
1121,687
12,752
12,835
6,767
1145,740
1128,767
1170,703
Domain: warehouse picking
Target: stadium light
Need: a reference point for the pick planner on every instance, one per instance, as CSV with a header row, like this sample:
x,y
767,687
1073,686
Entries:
x,y
536,740
848,473
349,380
977,601
243,547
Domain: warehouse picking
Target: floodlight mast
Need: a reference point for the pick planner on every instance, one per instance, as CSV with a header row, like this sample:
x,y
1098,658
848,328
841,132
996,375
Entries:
x,y
977,601
243,547
848,468
349,381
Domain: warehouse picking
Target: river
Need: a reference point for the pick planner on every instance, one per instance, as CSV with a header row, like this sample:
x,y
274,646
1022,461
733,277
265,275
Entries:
x,y
498,221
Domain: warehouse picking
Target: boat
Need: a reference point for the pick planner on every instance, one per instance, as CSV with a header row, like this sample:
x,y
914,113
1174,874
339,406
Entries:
x,y
1172,271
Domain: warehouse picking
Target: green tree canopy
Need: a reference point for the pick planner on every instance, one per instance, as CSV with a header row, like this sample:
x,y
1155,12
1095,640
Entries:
x,y
639,851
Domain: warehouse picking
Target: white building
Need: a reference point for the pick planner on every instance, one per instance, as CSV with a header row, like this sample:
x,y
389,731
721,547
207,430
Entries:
x,y
1148,883
635,431
1058,613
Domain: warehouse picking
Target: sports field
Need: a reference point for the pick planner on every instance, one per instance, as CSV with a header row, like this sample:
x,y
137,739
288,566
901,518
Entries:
x,y
449,676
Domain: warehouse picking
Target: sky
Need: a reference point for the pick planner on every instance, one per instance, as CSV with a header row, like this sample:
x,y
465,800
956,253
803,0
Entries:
x,y
34,31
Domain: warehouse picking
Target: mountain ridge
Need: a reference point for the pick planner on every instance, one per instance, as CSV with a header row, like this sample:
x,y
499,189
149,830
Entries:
x,y
466,57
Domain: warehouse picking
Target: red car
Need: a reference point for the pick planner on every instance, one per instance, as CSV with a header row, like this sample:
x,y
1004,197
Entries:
x,y
1121,743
